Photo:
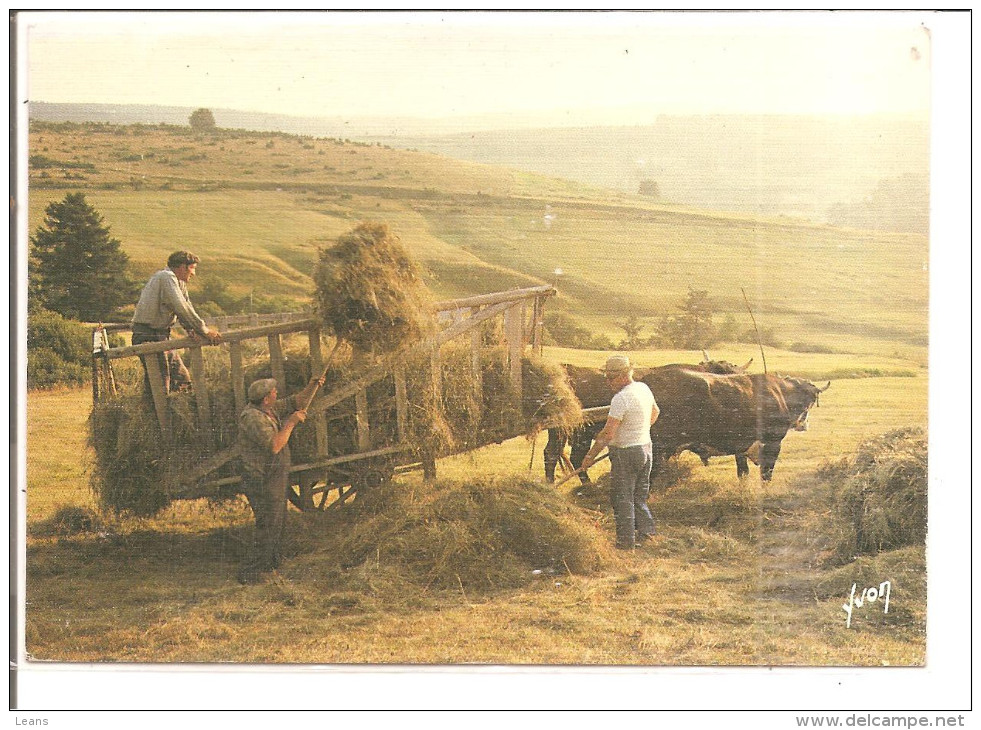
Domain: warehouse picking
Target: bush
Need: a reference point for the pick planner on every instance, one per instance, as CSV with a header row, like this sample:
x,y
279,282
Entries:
x,y
564,330
57,350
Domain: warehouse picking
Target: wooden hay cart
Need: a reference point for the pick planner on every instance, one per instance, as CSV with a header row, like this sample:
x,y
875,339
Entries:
x,y
374,457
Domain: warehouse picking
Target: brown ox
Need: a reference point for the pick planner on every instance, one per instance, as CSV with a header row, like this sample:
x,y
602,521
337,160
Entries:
x,y
716,415
591,389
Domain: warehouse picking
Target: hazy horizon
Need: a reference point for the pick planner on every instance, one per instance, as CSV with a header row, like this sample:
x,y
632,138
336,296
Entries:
x,y
528,69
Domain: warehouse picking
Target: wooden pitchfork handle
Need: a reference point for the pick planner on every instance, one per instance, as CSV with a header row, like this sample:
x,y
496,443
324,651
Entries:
x,y
581,469
313,394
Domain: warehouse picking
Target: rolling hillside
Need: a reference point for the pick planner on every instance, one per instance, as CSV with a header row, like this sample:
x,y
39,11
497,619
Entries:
x,y
257,206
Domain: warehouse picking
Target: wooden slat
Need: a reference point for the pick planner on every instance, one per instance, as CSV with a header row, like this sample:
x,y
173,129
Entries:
x,y
159,396
181,342
200,384
496,298
436,371
316,367
361,415
537,322
95,379
238,376
401,403
207,488
276,360
476,366
316,354
513,326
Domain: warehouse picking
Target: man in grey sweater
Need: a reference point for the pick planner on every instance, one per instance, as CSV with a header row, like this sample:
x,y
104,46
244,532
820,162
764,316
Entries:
x,y
163,303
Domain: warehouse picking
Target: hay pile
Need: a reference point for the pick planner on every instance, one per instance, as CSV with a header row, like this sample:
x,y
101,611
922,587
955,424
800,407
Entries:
x,y
136,472
879,495
370,292
485,535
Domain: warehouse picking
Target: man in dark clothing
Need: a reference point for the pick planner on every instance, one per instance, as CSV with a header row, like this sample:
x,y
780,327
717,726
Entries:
x,y
264,442
164,302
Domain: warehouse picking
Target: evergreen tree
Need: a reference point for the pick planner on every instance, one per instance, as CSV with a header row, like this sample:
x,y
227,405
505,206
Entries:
x,y
78,270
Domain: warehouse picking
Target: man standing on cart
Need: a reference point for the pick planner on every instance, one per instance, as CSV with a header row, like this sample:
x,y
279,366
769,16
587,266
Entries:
x,y
163,303
264,442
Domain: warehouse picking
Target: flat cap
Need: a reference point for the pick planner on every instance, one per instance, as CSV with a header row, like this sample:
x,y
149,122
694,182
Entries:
x,y
261,388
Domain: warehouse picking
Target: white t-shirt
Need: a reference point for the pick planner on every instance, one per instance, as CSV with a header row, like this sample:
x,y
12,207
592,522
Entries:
x,y
632,406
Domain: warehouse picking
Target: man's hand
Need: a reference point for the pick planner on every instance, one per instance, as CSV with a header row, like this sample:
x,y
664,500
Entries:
x,y
299,416
319,381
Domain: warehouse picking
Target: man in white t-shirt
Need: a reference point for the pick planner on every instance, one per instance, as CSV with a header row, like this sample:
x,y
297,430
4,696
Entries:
x,y
627,433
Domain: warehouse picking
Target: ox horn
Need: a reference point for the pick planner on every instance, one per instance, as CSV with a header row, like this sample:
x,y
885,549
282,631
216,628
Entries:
x,y
705,357
821,390
745,367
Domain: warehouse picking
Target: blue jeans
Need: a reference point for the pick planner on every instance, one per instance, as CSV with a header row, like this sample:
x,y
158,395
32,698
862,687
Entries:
x,y
630,479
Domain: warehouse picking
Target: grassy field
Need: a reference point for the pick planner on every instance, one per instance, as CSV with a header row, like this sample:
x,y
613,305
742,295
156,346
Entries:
x,y
258,207
741,573
738,576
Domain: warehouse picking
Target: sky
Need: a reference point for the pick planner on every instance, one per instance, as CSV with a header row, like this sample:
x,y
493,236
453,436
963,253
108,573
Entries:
x,y
620,67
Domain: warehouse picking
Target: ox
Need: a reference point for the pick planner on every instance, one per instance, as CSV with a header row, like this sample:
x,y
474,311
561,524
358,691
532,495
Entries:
x,y
716,415
591,389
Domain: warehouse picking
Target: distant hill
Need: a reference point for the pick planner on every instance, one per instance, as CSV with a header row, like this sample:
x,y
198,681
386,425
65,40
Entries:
x,y
826,169
813,167
258,206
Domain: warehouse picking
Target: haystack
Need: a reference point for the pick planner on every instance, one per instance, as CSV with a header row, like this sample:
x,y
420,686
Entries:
x,y
879,495
370,292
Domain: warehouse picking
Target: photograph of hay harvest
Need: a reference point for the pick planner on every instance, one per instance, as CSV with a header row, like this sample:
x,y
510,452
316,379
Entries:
x,y
321,328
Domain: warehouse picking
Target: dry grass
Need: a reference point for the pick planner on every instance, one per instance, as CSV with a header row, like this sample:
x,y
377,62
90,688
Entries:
x,y
879,495
739,574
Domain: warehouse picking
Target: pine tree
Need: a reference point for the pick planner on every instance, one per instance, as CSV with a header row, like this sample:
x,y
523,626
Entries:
x,y
78,270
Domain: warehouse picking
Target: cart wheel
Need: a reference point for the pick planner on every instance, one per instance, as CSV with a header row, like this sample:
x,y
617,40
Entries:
x,y
304,494
373,475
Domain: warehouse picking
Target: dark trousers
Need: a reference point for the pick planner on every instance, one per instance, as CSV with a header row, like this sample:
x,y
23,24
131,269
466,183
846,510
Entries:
x,y
267,498
630,480
175,374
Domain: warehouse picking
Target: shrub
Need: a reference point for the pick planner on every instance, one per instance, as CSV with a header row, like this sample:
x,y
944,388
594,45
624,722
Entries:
x,y
57,350
564,330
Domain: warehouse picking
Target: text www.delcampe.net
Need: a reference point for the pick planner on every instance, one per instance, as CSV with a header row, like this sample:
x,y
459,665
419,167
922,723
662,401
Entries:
x,y
869,720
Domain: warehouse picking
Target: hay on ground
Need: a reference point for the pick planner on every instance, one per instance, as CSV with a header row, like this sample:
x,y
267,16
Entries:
x,y
879,496
485,535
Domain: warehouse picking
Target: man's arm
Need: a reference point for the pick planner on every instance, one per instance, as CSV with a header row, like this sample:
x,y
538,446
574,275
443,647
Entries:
x,y
181,306
283,435
603,440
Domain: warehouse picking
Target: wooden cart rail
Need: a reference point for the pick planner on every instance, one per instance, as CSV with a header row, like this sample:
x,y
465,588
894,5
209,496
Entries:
x,y
463,322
